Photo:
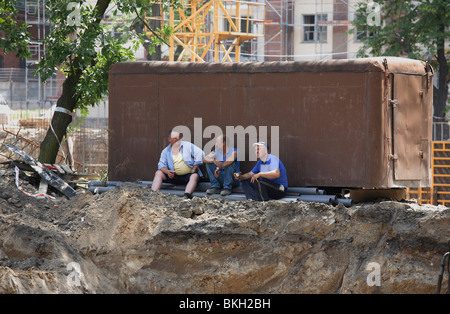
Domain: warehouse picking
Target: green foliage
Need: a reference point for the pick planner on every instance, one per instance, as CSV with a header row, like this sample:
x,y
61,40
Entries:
x,y
80,40
14,35
416,29
410,28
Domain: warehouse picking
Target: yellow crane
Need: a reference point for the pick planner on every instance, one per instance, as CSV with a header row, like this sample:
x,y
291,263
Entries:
x,y
220,26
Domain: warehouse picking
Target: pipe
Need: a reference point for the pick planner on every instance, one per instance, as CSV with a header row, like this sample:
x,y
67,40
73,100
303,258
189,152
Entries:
x,y
100,189
303,190
233,197
203,186
326,199
180,192
106,183
347,202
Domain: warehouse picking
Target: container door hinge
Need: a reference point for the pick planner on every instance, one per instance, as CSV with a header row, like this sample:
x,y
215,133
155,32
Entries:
x,y
393,157
393,103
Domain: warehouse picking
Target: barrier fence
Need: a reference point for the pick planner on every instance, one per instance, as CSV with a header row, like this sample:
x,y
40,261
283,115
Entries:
x,y
87,139
439,192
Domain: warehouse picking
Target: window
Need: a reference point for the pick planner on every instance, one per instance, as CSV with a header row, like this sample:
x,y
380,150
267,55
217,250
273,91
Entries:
x,y
361,34
312,30
228,28
244,22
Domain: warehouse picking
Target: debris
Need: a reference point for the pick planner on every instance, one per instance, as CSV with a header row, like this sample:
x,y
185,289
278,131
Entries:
x,y
40,194
45,173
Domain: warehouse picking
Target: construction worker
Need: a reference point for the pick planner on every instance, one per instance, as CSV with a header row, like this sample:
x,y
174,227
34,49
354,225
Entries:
x,y
268,179
178,164
221,165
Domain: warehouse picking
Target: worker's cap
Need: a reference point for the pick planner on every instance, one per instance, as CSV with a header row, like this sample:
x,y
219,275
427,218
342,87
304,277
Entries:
x,y
261,144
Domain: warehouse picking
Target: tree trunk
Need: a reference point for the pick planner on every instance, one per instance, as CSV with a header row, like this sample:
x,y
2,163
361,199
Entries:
x,y
155,24
440,99
60,121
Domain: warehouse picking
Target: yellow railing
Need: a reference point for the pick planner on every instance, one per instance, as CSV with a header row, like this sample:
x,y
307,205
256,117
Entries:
x,y
422,195
439,192
440,168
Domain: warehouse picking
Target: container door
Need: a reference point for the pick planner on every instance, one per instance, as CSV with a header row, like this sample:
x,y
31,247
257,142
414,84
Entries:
x,y
410,123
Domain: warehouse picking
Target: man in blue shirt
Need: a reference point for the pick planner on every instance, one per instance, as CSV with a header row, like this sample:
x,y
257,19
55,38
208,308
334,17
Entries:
x,y
268,179
221,165
178,164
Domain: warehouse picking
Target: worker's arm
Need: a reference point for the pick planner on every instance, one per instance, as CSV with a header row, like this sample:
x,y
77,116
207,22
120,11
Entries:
x,y
209,159
194,169
169,173
229,160
246,176
273,174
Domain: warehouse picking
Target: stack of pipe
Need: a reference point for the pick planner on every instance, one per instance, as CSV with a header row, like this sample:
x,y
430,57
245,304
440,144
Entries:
x,y
305,194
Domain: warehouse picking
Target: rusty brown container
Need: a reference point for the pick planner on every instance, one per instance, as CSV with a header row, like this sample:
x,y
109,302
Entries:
x,y
363,123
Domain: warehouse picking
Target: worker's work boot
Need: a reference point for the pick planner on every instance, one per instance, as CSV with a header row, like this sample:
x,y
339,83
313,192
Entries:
x,y
213,191
225,192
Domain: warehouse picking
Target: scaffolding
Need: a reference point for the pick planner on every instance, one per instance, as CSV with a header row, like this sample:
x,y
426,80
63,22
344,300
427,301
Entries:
x,y
20,86
220,26
264,30
214,30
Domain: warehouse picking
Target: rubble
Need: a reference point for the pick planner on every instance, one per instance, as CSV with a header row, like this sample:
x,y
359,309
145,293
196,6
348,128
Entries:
x,y
134,240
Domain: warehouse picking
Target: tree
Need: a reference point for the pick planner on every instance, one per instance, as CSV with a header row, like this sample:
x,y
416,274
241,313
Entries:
x,y
81,45
415,29
14,36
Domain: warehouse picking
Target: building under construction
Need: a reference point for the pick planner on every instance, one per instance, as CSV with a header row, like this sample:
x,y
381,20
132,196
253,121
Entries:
x,y
269,30
19,86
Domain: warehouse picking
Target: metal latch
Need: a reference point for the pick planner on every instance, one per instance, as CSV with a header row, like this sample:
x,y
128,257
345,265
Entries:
x,y
393,102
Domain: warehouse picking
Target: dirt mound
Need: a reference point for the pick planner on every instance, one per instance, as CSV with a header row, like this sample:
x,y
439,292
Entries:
x,y
134,240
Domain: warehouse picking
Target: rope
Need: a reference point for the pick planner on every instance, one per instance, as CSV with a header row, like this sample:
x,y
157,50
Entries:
x,y
68,112
30,194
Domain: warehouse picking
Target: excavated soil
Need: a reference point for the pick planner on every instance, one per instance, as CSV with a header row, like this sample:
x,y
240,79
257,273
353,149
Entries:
x,y
134,240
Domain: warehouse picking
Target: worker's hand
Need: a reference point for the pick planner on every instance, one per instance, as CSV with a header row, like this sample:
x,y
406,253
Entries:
x,y
218,164
237,175
255,177
216,172
171,174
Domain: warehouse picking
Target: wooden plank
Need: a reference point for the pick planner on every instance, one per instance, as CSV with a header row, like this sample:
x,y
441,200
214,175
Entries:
x,y
60,170
43,186
66,168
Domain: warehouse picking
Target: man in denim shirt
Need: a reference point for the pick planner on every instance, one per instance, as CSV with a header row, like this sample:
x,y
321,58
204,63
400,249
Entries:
x,y
221,164
178,164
